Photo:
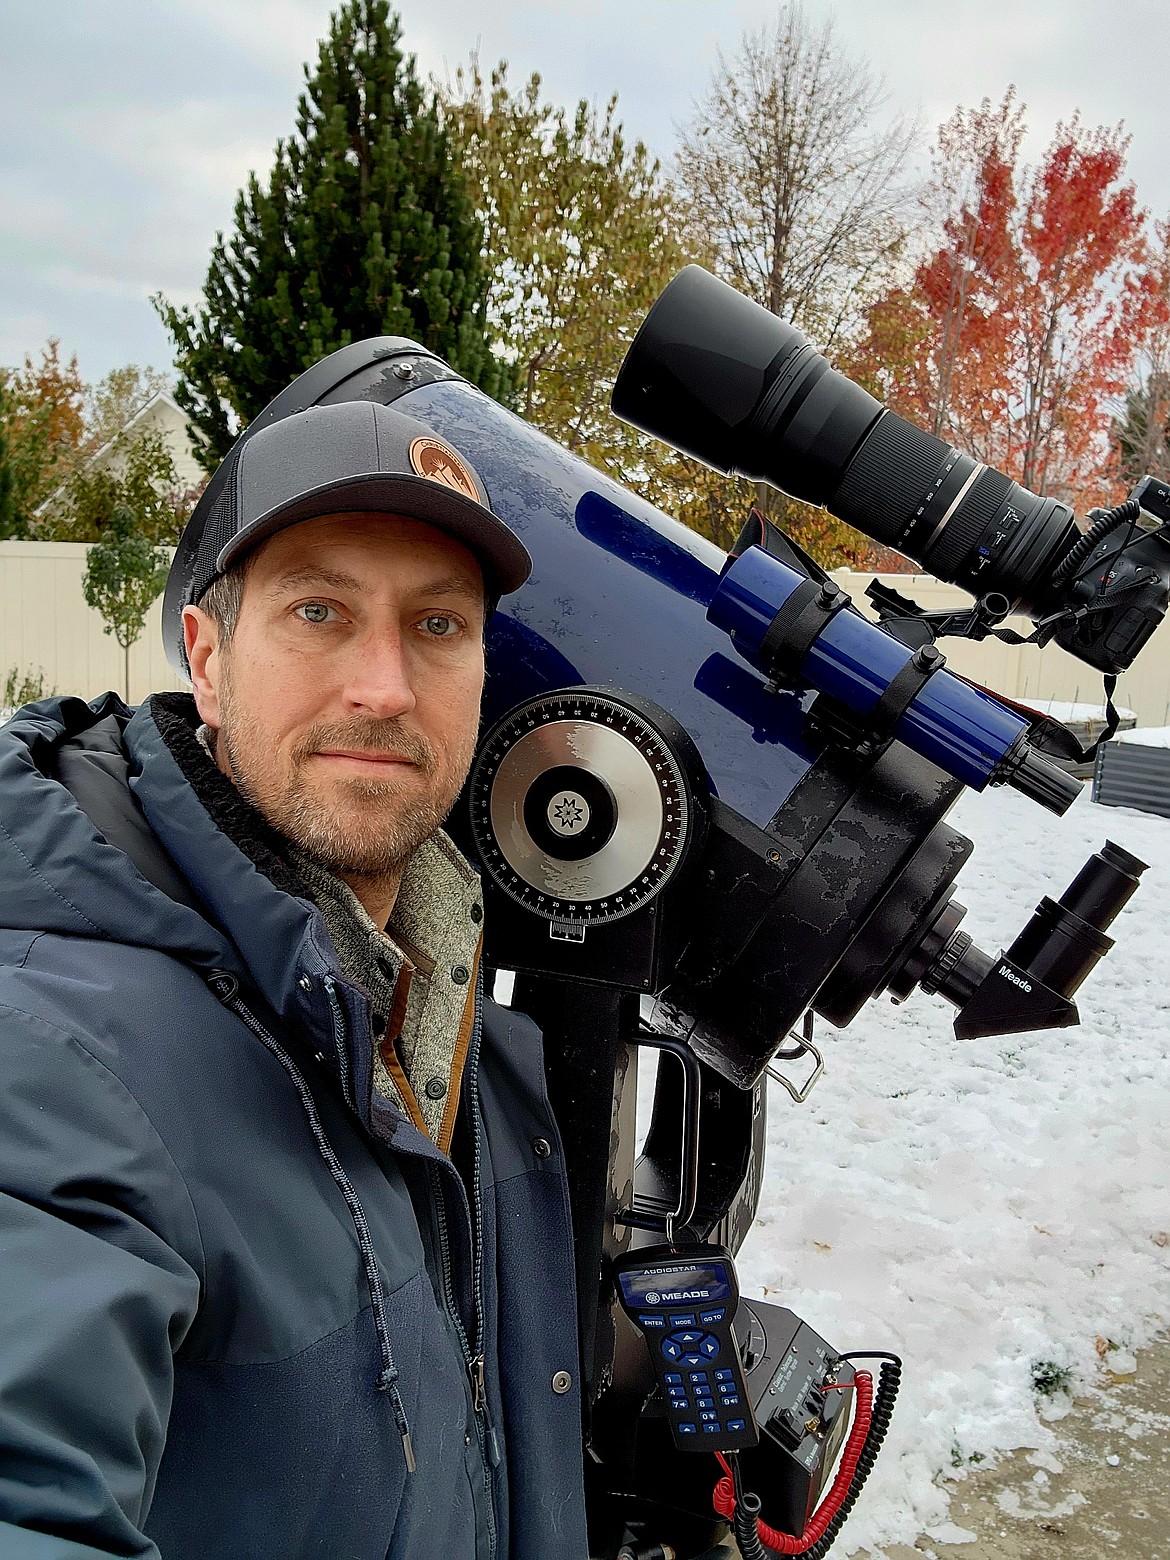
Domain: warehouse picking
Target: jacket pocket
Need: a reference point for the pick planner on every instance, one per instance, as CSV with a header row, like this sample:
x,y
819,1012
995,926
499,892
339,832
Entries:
x,y
302,1458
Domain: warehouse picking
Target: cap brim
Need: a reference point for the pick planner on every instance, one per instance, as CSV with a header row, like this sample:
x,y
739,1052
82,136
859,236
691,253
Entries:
x,y
502,555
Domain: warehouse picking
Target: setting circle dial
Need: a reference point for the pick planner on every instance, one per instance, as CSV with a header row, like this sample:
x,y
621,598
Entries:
x,y
581,805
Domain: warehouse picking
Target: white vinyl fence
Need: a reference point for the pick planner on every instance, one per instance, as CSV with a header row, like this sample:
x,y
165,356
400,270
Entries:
x,y
46,625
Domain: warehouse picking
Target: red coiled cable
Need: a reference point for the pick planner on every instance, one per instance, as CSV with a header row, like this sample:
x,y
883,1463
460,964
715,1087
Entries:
x,y
784,1543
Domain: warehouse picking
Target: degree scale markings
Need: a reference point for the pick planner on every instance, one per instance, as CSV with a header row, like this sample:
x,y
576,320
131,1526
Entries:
x,y
602,738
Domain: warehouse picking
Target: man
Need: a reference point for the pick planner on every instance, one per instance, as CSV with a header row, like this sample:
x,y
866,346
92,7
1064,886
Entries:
x,y
286,1261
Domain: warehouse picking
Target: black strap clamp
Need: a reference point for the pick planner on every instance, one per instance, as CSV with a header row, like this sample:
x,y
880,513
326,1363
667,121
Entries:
x,y
903,688
863,735
794,630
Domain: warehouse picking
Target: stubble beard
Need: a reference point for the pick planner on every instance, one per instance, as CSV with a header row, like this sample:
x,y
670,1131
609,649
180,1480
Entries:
x,y
374,836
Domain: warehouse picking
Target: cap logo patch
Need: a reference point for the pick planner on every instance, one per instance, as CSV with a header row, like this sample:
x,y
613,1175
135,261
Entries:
x,y
437,461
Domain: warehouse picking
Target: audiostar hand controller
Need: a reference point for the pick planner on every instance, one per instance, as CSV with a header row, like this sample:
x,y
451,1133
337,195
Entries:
x,y
684,1302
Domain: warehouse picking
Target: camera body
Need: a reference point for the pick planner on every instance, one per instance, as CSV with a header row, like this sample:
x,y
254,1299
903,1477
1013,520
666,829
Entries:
x,y
1122,585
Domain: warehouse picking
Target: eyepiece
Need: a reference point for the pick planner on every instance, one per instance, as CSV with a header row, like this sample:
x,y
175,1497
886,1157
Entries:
x,y
1103,885
1038,777
1032,985
1066,937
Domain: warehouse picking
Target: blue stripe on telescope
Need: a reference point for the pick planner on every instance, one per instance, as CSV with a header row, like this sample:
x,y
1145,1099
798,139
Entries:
x,y
963,731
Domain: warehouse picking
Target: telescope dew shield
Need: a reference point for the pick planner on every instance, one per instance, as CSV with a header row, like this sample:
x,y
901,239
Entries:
x,y
826,646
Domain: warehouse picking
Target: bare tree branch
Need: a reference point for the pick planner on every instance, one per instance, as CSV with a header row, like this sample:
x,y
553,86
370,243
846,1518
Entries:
x,y
793,180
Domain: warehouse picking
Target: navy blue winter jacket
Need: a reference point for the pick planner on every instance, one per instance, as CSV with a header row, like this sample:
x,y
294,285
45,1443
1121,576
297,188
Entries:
x,y
239,1291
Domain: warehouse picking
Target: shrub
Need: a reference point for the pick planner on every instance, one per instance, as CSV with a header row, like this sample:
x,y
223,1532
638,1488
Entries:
x,y
24,687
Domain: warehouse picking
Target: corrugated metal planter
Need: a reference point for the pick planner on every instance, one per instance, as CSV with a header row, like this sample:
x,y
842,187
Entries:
x,y
1127,774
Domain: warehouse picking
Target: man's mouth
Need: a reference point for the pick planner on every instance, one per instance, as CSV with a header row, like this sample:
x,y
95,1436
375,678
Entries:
x,y
353,756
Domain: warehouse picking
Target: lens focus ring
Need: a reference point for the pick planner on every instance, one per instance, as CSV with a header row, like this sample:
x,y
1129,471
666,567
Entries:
x,y
889,478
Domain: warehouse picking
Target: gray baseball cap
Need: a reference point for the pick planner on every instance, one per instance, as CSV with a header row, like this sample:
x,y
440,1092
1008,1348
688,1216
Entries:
x,y
355,456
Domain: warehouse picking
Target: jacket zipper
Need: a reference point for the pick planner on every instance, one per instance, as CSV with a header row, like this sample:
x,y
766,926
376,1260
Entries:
x,y
476,1363
476,1193
339,1040
473,1363
479,1385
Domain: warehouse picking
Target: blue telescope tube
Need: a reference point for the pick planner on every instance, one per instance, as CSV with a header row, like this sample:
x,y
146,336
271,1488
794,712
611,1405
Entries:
x,y
964,731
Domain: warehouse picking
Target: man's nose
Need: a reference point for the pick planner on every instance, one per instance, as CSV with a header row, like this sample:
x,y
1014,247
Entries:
x,y
378,676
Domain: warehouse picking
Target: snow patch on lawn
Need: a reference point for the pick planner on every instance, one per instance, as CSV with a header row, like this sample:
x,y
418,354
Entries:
x,y
988,1209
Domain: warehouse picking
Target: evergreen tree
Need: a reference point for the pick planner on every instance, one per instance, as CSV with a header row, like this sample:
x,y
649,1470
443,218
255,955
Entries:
x,y
367,227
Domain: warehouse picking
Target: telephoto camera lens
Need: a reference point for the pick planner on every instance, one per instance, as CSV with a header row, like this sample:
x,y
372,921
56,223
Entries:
x,y
720,378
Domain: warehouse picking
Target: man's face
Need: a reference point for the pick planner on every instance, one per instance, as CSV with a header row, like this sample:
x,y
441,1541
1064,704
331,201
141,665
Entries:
x,y
347,702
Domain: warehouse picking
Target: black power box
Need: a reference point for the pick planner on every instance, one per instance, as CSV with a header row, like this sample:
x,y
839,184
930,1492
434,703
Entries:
x,y
787,1368
796,1382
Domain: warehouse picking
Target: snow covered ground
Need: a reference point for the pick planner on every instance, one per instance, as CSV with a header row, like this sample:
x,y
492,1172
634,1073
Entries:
x,y
985,1208
1147,736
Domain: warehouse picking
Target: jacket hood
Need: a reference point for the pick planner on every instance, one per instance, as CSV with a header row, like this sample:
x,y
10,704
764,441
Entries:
x,y
58,873
219,895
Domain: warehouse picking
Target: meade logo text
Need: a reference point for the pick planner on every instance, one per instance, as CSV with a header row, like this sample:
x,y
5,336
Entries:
x,y
1016,980
671,1295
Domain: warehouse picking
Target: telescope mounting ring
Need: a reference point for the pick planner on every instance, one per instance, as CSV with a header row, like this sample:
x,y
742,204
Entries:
x,y
583,804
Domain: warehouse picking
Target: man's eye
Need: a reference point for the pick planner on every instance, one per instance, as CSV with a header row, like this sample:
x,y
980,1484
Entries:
x,y
315,611
440,625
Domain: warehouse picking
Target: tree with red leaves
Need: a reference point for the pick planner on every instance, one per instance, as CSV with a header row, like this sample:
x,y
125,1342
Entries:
x,y
1021,328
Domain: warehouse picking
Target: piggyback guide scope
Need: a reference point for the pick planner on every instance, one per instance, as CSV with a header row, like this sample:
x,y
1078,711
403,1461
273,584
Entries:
x,y
708,802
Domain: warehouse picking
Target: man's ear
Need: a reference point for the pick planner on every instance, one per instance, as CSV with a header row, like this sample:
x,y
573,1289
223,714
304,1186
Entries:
x,y
201,637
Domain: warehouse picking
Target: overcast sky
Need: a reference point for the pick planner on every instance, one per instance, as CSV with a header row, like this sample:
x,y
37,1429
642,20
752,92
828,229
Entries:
x,y
127,126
